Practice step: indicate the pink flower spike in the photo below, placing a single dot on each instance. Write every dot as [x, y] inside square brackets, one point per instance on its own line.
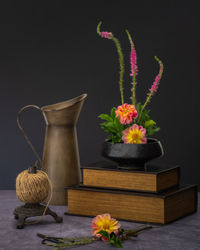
[133, 61]
[106, 34]
[156, 82]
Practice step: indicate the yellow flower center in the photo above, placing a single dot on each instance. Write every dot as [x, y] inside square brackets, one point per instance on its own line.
[125, 112]
[134, 137]
[107, 225]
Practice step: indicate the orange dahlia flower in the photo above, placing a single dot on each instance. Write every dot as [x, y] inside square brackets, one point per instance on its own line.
[126, 113]
[104, 222]
[134, 135]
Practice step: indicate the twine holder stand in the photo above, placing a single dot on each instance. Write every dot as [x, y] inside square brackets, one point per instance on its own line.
[28, 210]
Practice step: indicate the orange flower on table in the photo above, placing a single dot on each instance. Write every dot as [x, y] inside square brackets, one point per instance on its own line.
[134, 135]
[104, 222]
[126, 113]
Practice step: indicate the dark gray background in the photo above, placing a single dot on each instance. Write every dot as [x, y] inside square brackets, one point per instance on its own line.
[50, 52]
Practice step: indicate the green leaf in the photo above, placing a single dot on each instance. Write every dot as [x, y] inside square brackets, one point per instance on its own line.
[118, 245]
[146, 116]
[116, 242]
[104, 126]
[114, 138]
[118, 125]
[112, 238]
[109, 127]
[104, 234]
[112, 126]
[149, 123]
[105, 117]
[156, 129]
[152, 130]
[112, 113]
[112, 242]
[138, 106]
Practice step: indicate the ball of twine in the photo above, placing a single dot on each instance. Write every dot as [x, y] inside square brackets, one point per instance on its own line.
[32, 187]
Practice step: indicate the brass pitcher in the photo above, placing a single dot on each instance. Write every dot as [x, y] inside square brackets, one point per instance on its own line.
[60, 155]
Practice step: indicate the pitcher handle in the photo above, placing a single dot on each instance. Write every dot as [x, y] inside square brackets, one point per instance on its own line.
[24, 133]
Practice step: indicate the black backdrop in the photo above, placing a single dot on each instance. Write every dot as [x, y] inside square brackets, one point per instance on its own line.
[50, 52]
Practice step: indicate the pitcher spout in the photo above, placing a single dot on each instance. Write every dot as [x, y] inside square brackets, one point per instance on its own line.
[64, 113]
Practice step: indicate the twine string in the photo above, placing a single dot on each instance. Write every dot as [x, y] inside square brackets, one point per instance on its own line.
[23, 131]
[33, 188]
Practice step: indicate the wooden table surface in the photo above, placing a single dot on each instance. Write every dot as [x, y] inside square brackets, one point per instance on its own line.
[183, 234]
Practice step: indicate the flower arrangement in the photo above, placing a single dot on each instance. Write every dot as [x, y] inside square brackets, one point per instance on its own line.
[130, 123]
[104, 228]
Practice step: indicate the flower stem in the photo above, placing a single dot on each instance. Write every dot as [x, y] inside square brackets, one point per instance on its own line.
[144, 105]
[126, 234]
[98, 28]
[121, 63]
[121, 59]
[68, 242]
[133, 93]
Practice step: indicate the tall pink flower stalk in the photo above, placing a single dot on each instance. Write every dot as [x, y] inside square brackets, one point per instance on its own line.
[134, 68]
[154, 86]
[156, 82]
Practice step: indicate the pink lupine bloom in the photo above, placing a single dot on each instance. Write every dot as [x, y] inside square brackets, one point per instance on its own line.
[134, 135]
[154, 87]
[133, 61]
[156, 82]
[126, 113]
[106, 34]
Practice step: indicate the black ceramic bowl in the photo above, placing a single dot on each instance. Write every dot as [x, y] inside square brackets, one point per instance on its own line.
[132, 156]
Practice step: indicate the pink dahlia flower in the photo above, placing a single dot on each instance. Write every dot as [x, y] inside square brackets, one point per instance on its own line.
[126, 113]
[104, 222]
[134, 135]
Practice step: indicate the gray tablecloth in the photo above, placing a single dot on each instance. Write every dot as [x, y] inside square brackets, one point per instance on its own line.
[182, 234]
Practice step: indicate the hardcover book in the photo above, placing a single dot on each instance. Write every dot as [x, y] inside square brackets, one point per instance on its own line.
[155, 178]
[134, 206]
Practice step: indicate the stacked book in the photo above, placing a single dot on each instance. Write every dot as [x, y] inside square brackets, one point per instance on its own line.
[153, 195]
